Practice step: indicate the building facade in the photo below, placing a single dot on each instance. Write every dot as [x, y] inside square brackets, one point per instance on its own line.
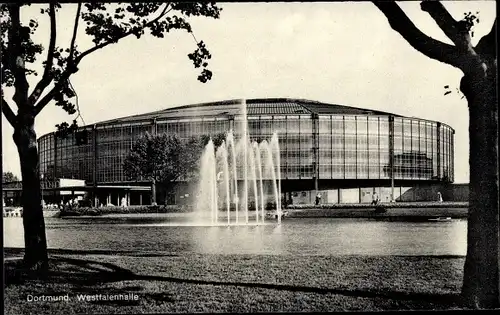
[345, 152]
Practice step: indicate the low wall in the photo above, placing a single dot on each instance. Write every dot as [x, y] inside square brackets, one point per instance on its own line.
[388, 205]
[392, 213]
[449, 192]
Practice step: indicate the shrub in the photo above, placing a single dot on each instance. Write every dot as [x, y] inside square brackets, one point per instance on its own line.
[380, 209]
[83, 211]
[271, 206]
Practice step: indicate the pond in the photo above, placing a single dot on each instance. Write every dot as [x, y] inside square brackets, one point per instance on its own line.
[295, 236]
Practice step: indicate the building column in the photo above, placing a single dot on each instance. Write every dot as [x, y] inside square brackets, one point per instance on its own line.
[55, 157]
[154, 130]
[391, 155]
[127, 197]
[94, 162]
[140, 198]
[438, 141]
[315, 135]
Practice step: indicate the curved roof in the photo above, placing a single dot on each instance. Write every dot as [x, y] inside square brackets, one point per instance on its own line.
[258, 106]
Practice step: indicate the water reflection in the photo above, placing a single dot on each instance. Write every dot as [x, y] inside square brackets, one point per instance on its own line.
[305, 236]
[253, 239]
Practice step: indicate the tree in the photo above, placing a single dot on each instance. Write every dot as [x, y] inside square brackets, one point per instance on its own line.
[481, 283]
[106, 24]
[163, 159]
[203, 140]
[8, 177]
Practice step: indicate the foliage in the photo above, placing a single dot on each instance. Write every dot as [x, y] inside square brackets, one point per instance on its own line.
[216, 139]
[105, 24]
[166, 158]
[8, 177]
[155, 158]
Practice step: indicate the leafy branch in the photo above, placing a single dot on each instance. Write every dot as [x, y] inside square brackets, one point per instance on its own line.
[106, 24]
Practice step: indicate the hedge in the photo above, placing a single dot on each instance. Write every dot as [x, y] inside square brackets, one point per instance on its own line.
[88, 211]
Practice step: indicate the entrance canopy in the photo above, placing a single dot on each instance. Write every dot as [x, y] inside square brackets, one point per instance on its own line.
[101, 187]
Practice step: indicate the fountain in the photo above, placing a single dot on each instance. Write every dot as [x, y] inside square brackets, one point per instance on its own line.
[257, 165]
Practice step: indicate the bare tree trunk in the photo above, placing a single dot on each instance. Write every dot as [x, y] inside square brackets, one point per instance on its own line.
[481, 283]
[35, 256]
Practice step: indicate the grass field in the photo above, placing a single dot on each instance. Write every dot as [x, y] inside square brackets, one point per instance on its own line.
[169, 283]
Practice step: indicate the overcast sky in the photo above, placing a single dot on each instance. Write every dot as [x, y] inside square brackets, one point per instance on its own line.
[343, 53]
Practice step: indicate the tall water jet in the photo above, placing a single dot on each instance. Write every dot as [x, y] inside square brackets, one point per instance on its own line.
[230, 141]
[223, 155]
[253, 174]
[244, 141]
[208, 182]
[258, 162]
[213, 162]
[270, 167]
[215, 207]
[276, 149]
[240, 160]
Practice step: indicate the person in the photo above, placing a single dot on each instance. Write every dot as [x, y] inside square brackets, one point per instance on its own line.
[318, 198]
[124, 202]
[375, 199]
[439, 197]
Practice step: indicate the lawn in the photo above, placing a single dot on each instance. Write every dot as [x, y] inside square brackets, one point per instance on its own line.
[171, 283]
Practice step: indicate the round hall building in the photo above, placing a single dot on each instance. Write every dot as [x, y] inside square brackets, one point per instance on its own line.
[345, 153]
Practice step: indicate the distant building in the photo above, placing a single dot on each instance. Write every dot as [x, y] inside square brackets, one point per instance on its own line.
[347, 153]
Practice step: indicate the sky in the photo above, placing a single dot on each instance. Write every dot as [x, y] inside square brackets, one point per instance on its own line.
[338, 52]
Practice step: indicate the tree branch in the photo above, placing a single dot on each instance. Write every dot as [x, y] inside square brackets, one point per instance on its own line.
[16, 62]
[428, 46]
[75, 30]
[49, 96]
[7, 111]
[72, 67]
[47, 76]
[487, 44]
[451, 28]
[130, 32]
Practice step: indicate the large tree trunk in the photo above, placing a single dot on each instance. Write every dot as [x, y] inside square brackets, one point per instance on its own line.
[481, 283]
[35, 256]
